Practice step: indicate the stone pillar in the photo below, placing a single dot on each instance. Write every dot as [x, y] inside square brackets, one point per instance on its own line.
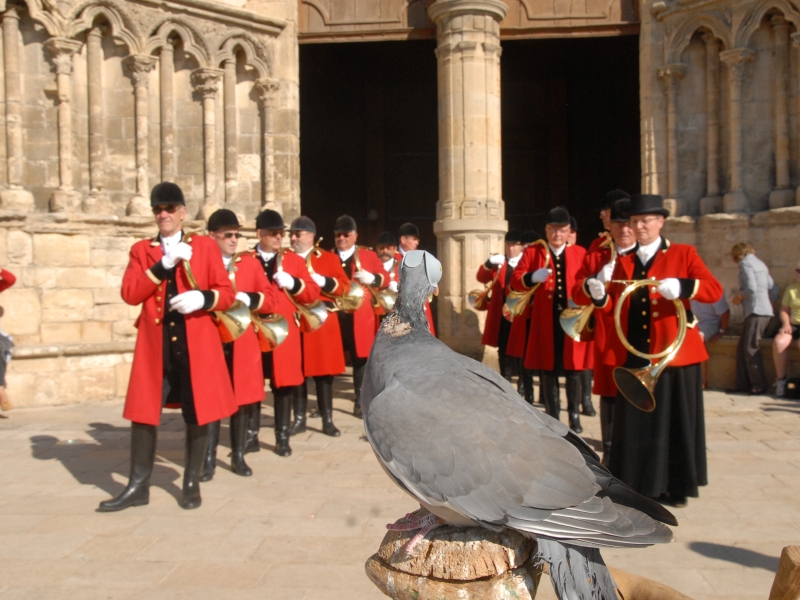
[61, 51]
[13, 198]
[206, 82]
[267, 91]
[231, 150]
[139, 67]
[470, 211]
[735, 200]
[96, 201]
[712, 203]
[167, 72]
[670, 76]
[783, 194]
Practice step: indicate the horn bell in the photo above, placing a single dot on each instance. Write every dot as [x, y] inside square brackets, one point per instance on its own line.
[352, 300]
[574, 321]
[271, 330]
[637, 386]
[233, 322]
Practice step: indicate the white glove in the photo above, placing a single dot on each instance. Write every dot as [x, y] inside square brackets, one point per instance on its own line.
[497, 259]
[604, 276]
[541, 275]
[393, 286]
[188, 302]
[181, 251]
[596, 289]
[284, 280]
[318, 279]
[243, 298]
[670, 288]
[365, 277]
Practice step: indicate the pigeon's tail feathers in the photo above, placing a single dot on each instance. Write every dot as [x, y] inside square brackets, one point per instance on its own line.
[577, 573]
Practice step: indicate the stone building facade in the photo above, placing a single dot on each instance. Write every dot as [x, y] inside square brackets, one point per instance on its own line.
[100, 99]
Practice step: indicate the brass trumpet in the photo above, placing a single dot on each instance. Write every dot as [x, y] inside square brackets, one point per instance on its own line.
[637, 385]
[516, 302]
[235, 320]
[309, 317]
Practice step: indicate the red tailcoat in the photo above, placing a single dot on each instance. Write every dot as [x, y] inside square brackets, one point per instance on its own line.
[7, 279]
[211, 386]
[491, 330]
[248, 377]
[539, 353]
[287, 359]
[395, 275]
[673, 260]
[365, 321]
[322, 349]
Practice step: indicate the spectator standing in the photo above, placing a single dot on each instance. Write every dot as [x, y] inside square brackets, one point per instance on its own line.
[712, 322]
[790, 330]
[6, 344]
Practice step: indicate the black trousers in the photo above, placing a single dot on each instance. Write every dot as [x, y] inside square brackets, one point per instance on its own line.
[750, 374]
[347, 325]
[177, 384]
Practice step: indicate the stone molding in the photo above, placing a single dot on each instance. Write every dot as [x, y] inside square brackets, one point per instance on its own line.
[444, 9]
[139, 67]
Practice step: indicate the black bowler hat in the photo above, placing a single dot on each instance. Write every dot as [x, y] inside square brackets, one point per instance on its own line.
[166, 193]
[222, 218]
[303, 224]
[648, 204]
[530, 236]
[514, 236]
[386, 239]
[573, 223]
[269, 219]
[558, 216]
[345, 224]
[613, 196]
[621, 211]
[408, 229]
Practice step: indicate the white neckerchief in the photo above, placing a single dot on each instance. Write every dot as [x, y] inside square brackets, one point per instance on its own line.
[226, 260]
[167, 243]
[267, 256]
[513, 262]
[624, 250]
[345, 254]
[304, 254]
[645, 253]
[388, 265]
[558, 251]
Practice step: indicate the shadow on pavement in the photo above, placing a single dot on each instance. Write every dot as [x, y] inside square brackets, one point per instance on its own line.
[734, 554]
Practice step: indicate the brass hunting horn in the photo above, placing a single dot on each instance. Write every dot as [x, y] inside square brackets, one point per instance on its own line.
[479, 299]
[516, 302]
[637, 385]
[309, 317]
[353, 299]
[384, 300]
[575, 319]
[236, 319]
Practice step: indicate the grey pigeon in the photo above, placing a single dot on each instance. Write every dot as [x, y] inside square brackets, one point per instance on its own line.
[459, 439]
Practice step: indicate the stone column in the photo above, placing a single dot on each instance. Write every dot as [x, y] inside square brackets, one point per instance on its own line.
[13, 198]
[735, 200]
[470, 211]
[712, 203]
[167, 72]
[670, 76]
[206, 82]
[783, 194]
[267, 92]
[96, 201]
[61, 51]
[231, 150]
[139, 67]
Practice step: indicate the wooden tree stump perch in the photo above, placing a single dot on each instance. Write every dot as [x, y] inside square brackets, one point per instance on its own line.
[786, 585]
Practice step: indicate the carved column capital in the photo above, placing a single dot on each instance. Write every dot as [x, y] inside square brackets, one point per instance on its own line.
[444, 9]
[671, 73]
[778, 21]
[710, 40]
[139, 67]
[61, 51]
[736, 59]
[267, 90]
[206, 81]
[795, 38]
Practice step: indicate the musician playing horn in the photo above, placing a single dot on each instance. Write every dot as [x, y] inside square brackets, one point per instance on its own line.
[174, 319]
[660, 454]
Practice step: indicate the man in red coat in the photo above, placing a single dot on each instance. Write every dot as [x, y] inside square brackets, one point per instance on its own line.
[288, 275]
[549, 349]
[660, 454]
[386, 249]
[597, 263]
[176, 316]
[323, 356]
[587, 408]
[409, 240]
[358, 328]
[243, 355]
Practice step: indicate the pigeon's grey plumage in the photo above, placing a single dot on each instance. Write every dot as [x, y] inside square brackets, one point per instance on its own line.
[458, 438]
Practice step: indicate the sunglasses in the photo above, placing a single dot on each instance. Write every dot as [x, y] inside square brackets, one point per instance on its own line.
[339, 234]
[170, 208]
[228, 235]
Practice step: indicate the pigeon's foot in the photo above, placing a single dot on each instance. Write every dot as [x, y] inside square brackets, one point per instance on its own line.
[425, 525]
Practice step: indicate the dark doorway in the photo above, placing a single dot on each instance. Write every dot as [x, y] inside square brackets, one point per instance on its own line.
[570, 127]
[368, 137]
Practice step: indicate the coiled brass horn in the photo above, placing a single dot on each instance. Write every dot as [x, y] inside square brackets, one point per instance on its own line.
[235, 320]
[479, 299]
[637, 385]
[354, 298]
[309, 317]
[271, 330]
[516, 302]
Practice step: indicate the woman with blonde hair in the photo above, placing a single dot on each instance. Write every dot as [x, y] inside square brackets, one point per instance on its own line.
[790, 330]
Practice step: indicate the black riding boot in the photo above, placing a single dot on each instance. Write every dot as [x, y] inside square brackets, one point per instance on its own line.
[587, 408]
[300, 404]
[314, 414]
[325, 403]
[211, 453]
[548, 382]
[283, 404]
[606, 422]
[358, 379]
[238, 435]
[526, 377]
[506, 364]
[574, 386]
[253, 426]
[196, 446]
[143, 455]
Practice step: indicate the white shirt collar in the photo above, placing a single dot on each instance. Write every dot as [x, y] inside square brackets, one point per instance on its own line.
[267, 256]
[170, 242]
[304, 254]
[345, 254]
[388, 265]
[558, 251]
[513, 262]
[645, 253]
[624, 250]
[226, 260]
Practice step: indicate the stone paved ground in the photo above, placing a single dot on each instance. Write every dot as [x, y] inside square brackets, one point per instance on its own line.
[302, 527]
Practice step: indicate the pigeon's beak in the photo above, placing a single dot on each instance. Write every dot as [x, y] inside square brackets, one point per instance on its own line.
[436, 291]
